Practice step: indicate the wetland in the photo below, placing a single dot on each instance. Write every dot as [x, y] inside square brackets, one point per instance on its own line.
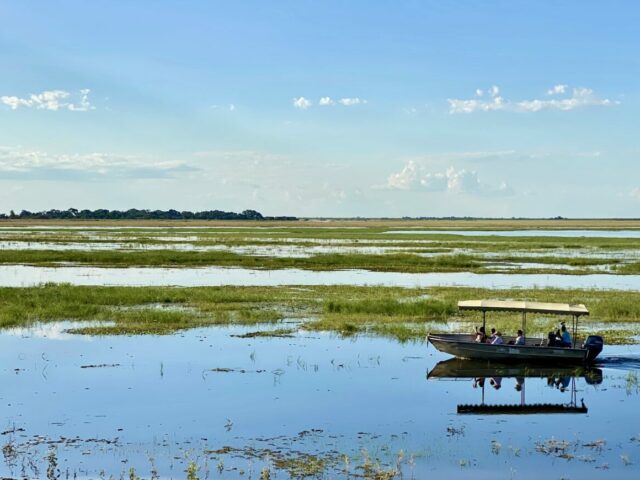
[288, 351]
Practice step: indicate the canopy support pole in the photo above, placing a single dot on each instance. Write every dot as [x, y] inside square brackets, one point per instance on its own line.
[575, 329]
[484, 321]
[524, 325]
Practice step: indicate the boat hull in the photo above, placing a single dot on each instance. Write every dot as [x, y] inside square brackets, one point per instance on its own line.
[461, 346]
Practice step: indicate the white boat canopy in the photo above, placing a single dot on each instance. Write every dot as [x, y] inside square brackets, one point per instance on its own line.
[524, 307]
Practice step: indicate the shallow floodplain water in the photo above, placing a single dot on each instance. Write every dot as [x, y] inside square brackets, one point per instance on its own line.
[527, 233]
[26, 276]
[159, 403]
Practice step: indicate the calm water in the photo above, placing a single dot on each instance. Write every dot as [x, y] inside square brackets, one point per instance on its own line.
[154, 403]
[23, 275]
[529, 233]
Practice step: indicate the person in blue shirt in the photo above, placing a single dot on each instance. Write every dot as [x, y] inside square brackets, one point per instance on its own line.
[565, 337]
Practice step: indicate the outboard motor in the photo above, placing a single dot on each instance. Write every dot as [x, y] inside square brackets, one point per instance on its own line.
[593, 344]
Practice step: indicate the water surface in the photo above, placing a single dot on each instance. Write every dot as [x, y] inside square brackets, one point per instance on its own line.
[24, 276]
[528, 233]
[157, 403]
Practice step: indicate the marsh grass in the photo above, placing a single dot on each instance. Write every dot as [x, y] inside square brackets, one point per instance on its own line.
[404, 314]
[170, 258]
[386, 262]
[456, 253]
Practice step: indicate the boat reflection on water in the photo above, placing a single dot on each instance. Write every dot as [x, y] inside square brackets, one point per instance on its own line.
[491, 374]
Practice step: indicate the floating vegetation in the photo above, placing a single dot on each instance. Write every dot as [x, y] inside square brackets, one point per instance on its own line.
[277, 333]
[102, 365]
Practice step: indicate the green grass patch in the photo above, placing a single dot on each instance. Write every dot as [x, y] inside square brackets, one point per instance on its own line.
[404, 314]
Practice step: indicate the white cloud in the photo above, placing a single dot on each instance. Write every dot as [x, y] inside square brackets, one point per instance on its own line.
[580, 97]
[405, 179]
[51, 100]
[413, 176]
[36, 165]
[348, 102]
[301, 103]
[230, 107]
[557, 89]
[304, 103]
[469, 106]
[635, 193]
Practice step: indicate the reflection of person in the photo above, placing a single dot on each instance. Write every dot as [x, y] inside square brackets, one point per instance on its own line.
[519, 383]
[478, 382]
[563, 383]
[496, 382]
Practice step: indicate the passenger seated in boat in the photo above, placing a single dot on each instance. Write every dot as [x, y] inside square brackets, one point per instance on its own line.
[565, 337]
[520, 338]
[498, 340]
[552, 340]
[492, 337]
[481, 337]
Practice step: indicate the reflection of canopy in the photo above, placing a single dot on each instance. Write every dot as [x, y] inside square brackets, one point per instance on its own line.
[521, 408]
[466, 369]
[534, 307]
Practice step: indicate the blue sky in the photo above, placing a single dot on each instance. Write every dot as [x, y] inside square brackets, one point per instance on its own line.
[322, 108]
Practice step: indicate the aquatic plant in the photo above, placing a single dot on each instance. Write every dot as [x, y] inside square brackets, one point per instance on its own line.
[192, 471]
[631, 382]
[52, 464]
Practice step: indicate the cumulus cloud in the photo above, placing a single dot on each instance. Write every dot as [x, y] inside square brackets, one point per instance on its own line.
[349, 102]
[33, 164]
[635, 193]
[301, 103]
[414, 176]
[580, 97]
[494, 102]
[304, 103]
[557, 89]
[51, 100]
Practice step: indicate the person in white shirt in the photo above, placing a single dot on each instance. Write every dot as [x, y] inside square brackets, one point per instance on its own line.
[498, 340]
[492, 337]
[520, 338]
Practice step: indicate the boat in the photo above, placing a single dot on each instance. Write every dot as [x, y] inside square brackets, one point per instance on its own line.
[534, 350]
[563, 378]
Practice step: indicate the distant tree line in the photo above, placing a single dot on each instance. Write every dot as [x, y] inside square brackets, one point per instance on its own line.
[135, 214]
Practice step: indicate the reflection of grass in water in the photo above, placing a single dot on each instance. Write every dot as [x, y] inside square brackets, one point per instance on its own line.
[400, 313]
[631, 382]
